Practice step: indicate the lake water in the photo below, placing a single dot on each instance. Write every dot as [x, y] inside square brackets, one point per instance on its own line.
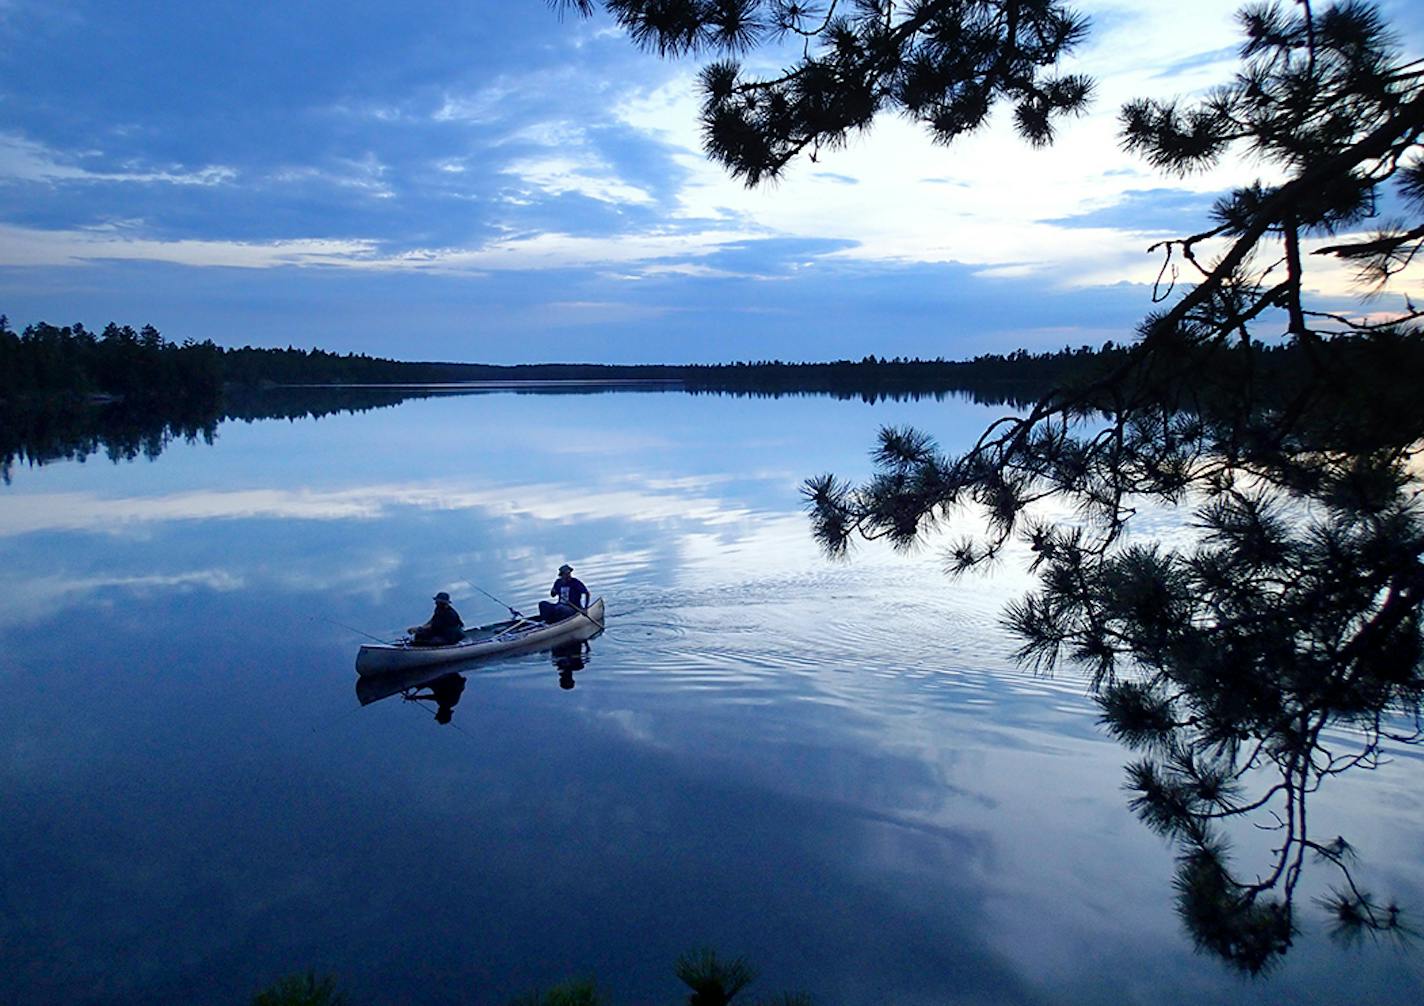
[832, 768]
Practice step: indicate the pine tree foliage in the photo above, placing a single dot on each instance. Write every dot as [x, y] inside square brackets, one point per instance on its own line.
[1230, 666]
[302, 990]
[943, 63]
[1297, 613]
[713, 981]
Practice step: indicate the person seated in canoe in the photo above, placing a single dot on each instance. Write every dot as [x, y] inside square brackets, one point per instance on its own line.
[571, 593]
[444, 628]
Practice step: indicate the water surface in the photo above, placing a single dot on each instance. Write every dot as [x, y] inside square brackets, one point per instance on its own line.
[834, 769]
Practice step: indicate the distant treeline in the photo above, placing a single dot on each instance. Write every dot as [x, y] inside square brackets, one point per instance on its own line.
[68, 393]
[870, 376]
[46, 360]
[991, 378]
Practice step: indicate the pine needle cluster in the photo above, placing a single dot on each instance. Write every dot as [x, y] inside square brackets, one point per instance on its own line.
[942, 63]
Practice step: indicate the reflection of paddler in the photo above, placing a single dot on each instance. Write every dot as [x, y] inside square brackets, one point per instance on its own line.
[444, 691]
[568, 657]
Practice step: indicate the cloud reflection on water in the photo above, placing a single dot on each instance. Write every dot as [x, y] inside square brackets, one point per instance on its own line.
[90, 512]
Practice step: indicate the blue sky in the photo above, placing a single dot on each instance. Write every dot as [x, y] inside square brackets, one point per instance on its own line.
[482, 181]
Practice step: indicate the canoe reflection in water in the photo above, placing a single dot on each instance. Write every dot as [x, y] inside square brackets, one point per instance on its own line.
[441, 687]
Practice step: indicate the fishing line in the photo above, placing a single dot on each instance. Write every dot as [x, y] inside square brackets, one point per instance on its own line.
[416, 703]
[339, 717]
[348, 628]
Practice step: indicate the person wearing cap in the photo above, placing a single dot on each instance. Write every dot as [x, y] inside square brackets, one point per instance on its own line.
[444, 628]
[571, 593]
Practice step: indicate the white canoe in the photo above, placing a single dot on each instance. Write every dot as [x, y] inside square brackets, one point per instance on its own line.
[484, 641]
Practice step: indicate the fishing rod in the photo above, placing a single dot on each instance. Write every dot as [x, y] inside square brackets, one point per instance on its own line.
[348, 628]
[513, 611]
[519, 614]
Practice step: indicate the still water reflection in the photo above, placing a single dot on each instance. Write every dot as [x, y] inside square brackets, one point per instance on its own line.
[833, 769]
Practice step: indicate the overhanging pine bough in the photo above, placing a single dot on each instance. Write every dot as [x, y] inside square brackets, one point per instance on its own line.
[1299, 611]
[944, 64]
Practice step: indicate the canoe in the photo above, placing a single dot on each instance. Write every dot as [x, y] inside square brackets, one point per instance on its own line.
[509, 636]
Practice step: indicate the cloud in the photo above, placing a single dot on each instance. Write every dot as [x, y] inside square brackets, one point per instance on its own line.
[1175, 212]
[365, 174]
[23, 160]
[582, 198]
[1214, 58]
[589, 177]
[482, 106]
[29, 247]
[981, 203]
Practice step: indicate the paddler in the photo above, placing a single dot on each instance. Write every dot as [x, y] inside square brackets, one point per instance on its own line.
[444, 628]
[571, 593]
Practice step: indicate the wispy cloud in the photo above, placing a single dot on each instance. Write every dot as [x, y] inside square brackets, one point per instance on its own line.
[557, 176]
[365, 174]
[482, 106]
[30, 247]
[1215, 59]
[24, 160]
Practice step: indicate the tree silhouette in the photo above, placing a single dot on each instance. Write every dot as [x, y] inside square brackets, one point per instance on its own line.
[1236, 666]
[944, 64]
[1299, 611]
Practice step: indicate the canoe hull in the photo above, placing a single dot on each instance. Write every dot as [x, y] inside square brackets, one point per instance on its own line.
[485, 641]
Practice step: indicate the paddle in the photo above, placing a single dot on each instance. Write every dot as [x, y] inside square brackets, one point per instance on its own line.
[585, 614]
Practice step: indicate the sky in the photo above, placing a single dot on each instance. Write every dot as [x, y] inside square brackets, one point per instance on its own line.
[485, 181]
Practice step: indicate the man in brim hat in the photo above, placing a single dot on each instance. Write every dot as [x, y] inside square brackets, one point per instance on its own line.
[571, 593]
[444, 628]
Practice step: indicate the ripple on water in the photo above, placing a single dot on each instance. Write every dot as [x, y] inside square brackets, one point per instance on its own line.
[876, 638]
[646, 631]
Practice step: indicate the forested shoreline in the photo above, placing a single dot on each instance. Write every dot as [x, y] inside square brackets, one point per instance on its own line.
[50, 367]
[70, 393]
[49, 361]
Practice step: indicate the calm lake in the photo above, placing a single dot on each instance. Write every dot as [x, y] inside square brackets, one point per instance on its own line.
[834, 769]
